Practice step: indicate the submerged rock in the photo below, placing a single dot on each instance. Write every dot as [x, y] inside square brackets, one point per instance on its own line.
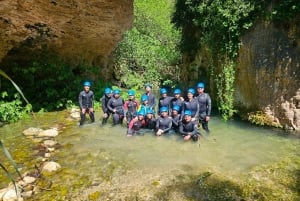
[51, 166]
[75, 115]
[29, 180]
[12, 195]
[49, 143]
[48, 133]
[32, 131]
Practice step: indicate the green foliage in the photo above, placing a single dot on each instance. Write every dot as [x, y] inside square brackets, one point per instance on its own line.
[12, 111]
[49, 82]
[261, 119]
[225, 90]
[12, 162]
[217, 27]
[217, 24]
[284, 10]
[148, 52]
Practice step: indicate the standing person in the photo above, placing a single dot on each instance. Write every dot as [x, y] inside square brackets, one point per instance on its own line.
[177, 100]
[176, 118]
[136, 124]
[192, 104]
[116, 107]
[151, 96]
[188, 128]
[164, 100]
[130, 107]
[86, 103]
[204, 106]
[163, 122]
[104, 101]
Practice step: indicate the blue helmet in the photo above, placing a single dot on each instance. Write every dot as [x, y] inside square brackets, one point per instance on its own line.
[144, 98]
[87, 83]
[131, 92]
[107, 90]
[200, 85]
[141, 113]
[148, 85]
[163, 109]
[176, 107]
[191, 90]
[116, 91]
[188, 112]
[163, 91]
[150, 111]
[177, 91]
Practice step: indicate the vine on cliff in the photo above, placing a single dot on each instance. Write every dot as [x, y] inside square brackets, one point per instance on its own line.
[217, 26]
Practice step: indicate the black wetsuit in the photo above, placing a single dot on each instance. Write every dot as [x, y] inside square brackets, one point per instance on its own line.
[193, 106]
[86, 101]
[204, 109]
[150, 123]
[164, 123]
[178, 102]
[151, 100]
[135, 126]
[104, 101]
[189, 127]
[164, 102]
[116, 103]
[175, 122]
[130, 108]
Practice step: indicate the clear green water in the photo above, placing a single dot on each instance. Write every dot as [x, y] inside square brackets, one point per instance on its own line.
[103, 160]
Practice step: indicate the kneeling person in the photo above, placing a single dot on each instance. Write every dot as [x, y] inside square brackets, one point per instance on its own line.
[136, 124]
[163, 122]
[188, 128]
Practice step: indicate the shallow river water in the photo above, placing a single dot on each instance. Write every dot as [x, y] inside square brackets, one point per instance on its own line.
[101, 163]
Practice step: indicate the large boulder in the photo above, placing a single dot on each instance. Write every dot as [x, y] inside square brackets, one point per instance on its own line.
[78, 30]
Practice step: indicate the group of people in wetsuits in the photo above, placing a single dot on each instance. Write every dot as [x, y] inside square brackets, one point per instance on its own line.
[175, 114]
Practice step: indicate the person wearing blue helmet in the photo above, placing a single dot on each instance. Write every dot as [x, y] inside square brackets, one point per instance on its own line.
[151, 96]
[144, 103]
[150, 119]
[86, 103]
[188, 128]
[164, 100]
[130, 106]
[176, 118]
[191, 104]
[136, 124]
[177, 100]
[104, 101]
[204, 101]
[116, 107]
[163, 122]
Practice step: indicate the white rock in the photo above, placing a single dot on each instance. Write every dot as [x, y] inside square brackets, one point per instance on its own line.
[27, 194]
[48, 133]
[50, 143]
[11, 195]
[29, 180]
[75, 115]
[51, 166]
[47, 155]
[2, 192]
[32, 131]
[75, 110]
[51, 149]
